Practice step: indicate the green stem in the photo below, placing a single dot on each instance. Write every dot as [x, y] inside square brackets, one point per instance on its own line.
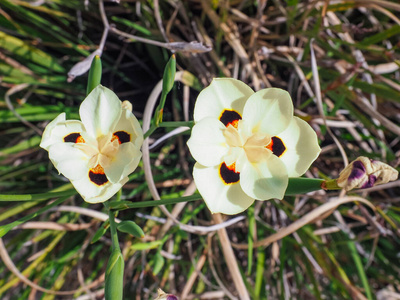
[302, 185]
[128, 204]
[36, 197]
[330, 185]
[113, 230]
[167, 125]
[113, 225]
[298, 185]
[176, 124]
[150, 131]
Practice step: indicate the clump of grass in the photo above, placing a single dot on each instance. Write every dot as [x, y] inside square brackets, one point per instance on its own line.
[350, 253]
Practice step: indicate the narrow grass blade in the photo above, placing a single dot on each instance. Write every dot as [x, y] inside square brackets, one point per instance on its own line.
[6, 228]
[360, 269]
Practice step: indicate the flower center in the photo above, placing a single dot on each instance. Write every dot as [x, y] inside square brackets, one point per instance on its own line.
[108, 148]
[244, 144]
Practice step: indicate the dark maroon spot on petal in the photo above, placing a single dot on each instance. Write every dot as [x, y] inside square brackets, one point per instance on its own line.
[276, 146]
[97, 176]
[358, 171]
[230, 117]
[122, 136]
[228, 174]
[370, 182]
[98, 179]
[74, 138]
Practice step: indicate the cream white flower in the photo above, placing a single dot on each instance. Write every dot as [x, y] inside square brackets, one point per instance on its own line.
[99, 153]
[247, 145]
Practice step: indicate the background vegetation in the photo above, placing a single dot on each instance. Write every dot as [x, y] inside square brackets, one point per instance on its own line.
[348, 253]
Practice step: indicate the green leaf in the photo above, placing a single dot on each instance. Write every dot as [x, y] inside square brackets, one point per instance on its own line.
[260, 271]
[120, 205]
[250, 238]
[378, 89]
[158, 262]
[384, 35]
[100, 232]
[146, 246]
[94, 74]
[6, 228]
[27, 52]
[360, 268]
[25, 144]
[133, 25]
[35, 197]
[131, 228]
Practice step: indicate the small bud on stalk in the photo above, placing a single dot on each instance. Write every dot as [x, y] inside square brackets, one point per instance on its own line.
[163, 296]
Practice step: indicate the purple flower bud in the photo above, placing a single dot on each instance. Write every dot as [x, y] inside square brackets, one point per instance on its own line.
[358, 171]
[365, 173]
[163, 296]
[370, 182]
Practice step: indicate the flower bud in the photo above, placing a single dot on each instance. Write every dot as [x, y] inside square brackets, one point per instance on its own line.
[365, 173]
[114, 284]
[127, 105]
[163, 296]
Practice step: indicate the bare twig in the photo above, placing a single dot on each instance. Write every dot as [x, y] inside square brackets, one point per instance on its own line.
[10, 265]
[318, 97]
[313, 215]
[53, 226]
[231, 260]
